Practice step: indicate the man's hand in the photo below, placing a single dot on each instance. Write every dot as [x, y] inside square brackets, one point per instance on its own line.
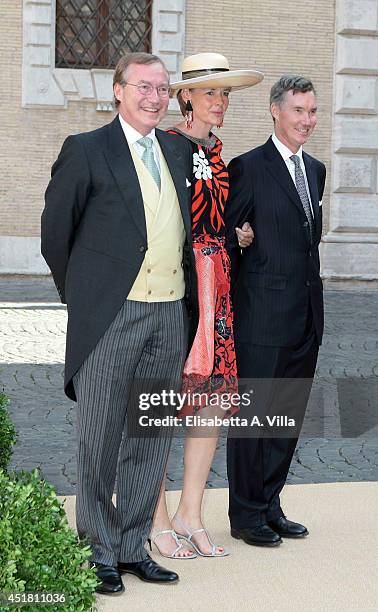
[245, 235]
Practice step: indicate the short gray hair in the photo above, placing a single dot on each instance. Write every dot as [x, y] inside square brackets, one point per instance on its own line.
[289, 82]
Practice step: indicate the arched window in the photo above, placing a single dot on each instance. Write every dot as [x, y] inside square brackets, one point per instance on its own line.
[94, 33]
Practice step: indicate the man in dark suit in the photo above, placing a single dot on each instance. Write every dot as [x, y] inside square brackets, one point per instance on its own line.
[116, 233]
[278, 302]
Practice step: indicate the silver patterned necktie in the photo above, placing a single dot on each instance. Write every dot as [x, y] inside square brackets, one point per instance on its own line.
[302, 192]
[149, 160]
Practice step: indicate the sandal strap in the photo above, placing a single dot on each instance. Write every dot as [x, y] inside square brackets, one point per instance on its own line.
[196, 531]
[156, 534]
[182, 524]
[165, 531]
[190, 534]
[209, 538]
[174, 535]
[213, 546]
[179, 547]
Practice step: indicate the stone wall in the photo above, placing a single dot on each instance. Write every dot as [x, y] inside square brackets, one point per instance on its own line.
[41, 105]
[350, 248]
[273, 36]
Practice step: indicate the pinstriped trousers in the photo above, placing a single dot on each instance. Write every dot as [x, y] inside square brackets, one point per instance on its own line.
[146, 341]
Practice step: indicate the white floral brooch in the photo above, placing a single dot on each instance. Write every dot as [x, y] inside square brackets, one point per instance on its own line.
[201, 168]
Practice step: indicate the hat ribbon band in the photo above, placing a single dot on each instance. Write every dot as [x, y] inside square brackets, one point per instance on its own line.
[198, 73]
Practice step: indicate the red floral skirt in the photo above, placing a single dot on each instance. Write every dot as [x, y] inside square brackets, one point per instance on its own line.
[210, 369]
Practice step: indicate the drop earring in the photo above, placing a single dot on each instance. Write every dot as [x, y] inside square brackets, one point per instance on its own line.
[220, 124]
[188, 115]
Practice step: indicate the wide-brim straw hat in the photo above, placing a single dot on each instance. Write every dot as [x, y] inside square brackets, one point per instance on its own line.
[212, 70]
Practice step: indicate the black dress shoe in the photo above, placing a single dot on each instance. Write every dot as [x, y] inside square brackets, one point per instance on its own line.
[148, 570]
[111, 581]
[262, 535]
[288, 529]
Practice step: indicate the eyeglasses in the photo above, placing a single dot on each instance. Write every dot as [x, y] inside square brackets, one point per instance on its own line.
[146, 90]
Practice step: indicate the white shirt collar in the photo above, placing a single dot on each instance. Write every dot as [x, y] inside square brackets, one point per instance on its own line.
[131, 134]
[284, 150]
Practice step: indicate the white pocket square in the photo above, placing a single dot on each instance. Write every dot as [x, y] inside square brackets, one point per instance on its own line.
[188, 183]
[321, 202]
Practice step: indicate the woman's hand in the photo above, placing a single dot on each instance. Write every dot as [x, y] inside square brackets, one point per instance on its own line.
[245, 235]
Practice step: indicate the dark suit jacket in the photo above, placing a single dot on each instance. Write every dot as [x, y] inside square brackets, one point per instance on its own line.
[277, 277]
[94, 235]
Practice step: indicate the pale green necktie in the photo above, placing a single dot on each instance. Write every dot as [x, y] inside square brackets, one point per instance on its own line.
[149, 159]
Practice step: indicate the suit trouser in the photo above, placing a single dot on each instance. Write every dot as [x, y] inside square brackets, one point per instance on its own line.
[145, 342]
[257, 467]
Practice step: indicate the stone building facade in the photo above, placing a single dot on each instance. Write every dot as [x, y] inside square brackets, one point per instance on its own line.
[350, 247]
[335, 43]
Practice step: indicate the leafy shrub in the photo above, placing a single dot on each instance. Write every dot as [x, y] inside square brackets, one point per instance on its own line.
[38, 550]
[7, 433]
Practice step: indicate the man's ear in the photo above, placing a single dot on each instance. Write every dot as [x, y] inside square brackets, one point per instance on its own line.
[117, 88]
[274, 111]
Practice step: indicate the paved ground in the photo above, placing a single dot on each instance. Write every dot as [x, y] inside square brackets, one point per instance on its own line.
[339, 441]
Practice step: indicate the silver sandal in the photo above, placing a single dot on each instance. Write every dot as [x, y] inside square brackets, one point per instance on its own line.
[189, 538]
[155, 534]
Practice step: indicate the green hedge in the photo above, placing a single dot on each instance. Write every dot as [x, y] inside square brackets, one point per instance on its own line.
[39, 551]
[7, 433]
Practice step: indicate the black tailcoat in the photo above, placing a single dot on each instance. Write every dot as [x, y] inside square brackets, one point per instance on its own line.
[94, 236]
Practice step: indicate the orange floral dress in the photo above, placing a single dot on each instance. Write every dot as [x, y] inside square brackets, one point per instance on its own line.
[210, 369]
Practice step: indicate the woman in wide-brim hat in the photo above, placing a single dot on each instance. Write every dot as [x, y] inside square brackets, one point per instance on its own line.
[203, 95]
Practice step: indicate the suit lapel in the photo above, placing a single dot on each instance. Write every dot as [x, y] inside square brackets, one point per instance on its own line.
[278, 169]
[176, 166]
[122, 167]
[313, 187]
